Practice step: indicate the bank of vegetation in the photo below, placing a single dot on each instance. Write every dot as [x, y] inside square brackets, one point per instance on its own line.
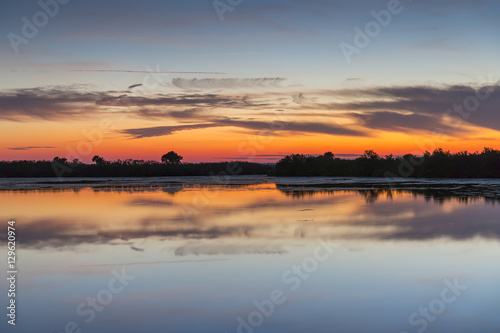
[438, 164]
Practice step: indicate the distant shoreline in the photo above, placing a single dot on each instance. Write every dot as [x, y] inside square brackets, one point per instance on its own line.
[439, 164]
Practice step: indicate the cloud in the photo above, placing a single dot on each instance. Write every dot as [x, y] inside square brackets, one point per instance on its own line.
[47, 103]
[135, 85]
[139, 133]
[398, 108]
[263, 158]
[266, 128]
[272, 156]
[272, 128]
[162, 113]
[68, 102]
[302, 100]
[226, 83]
[141, 71]
[406, 108]
[394, 121]
[44, 67]
[30, 147]
[191, 100]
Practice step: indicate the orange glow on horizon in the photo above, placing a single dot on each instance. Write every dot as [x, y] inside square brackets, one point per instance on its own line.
[213, 144]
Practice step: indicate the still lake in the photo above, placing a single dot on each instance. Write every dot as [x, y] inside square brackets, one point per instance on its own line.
[253, 254]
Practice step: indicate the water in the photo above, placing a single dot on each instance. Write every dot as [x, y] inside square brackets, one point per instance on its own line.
[254, 254]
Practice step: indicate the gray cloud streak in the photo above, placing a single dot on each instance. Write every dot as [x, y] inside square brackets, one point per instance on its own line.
[226, 83]
[141, 71]
[318, 128]
[30, 147]
[148, 132]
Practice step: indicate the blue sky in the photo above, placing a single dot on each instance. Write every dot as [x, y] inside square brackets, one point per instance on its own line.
[429, 41]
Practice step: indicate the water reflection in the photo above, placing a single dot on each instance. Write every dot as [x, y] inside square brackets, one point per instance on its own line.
[438, 194]
[202, 254]
[63, 217]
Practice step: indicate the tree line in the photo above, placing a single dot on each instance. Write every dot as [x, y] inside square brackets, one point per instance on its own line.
[170, 166]
[438, 164]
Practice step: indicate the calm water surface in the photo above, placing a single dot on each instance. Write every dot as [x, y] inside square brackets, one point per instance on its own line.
[254, 254]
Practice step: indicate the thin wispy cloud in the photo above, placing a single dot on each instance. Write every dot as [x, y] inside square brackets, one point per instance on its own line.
[142, 71]
[30, 147]
[262, 158]
[139, 133]
[227, 83]
[316, 128]
[45, 67]
[135, 85]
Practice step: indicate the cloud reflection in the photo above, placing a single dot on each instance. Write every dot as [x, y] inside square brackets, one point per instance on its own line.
[249, 219]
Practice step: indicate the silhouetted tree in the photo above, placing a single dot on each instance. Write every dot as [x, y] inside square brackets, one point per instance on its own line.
[60, 160]
[329, 155]
[98, 160]
[171, 158]
[370, 154]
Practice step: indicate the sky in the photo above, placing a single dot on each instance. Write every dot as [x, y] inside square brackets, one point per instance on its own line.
[247, 80]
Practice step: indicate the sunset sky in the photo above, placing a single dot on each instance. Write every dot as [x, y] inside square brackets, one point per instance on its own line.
[254, 80]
